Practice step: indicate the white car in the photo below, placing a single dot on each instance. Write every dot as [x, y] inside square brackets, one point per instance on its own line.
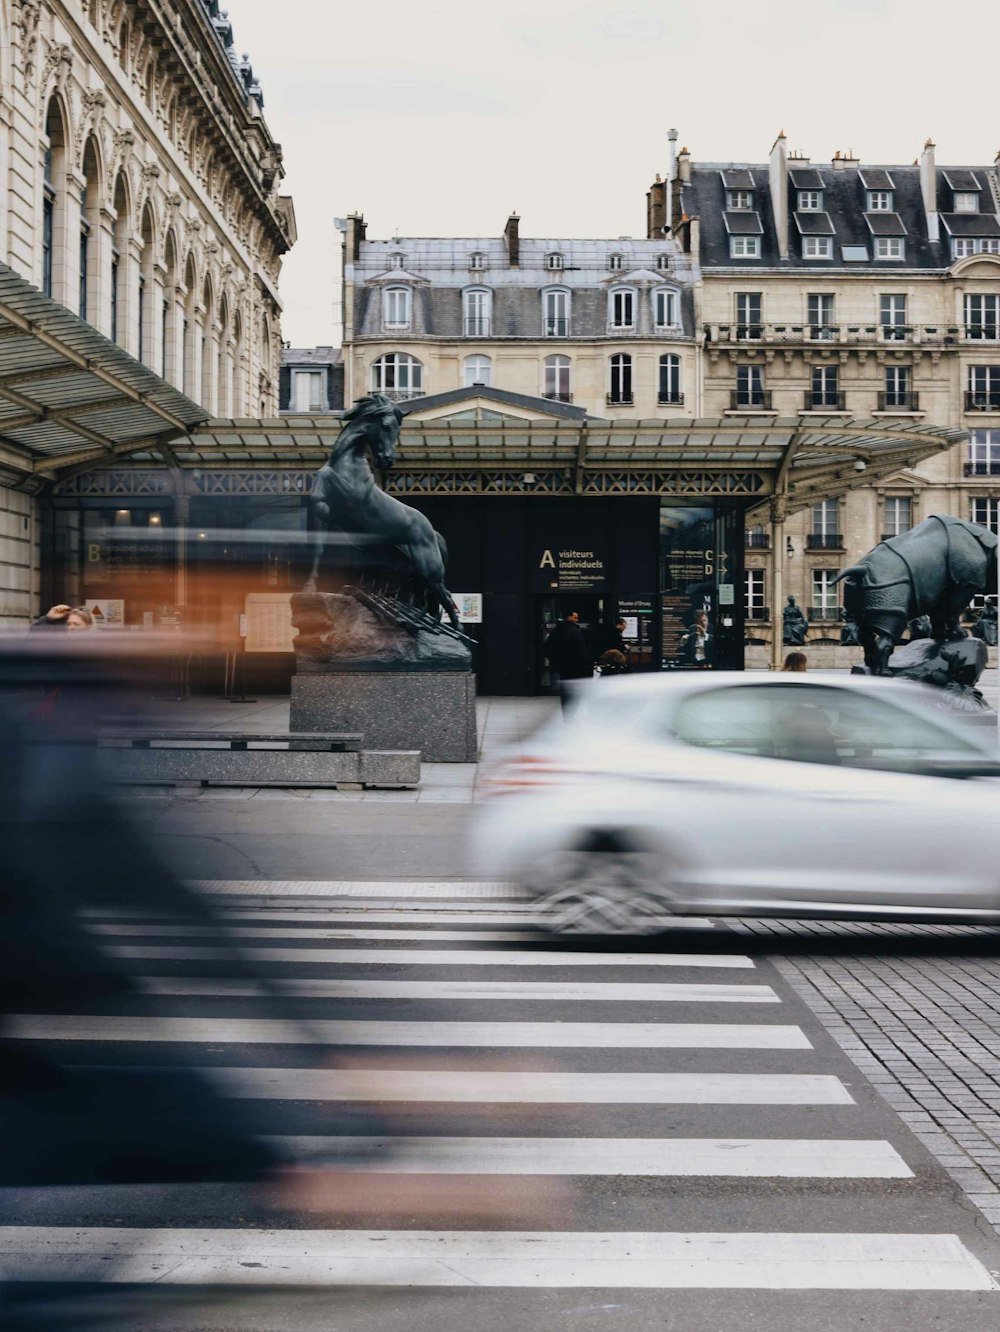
[729, 793]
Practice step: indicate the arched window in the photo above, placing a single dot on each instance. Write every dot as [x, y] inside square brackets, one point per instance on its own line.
[554, 262]
[169, 369]
[147, 293]
[124, 35]
[556, 380]
[207, 397]
[620, 387]
[665, 308]
[119, 264]
[223, 370]
[669, 390]
[189, 363]
[477, 308]
[90, 249]
[236, 397]
[398, 375]
[616, 262]
[54, 202]
[621, 308]
[555, 312]
[396, 306]
[663, 261]
[477, 370]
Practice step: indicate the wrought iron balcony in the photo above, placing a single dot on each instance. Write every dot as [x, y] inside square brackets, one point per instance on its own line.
[986, 401]
[758, 613]
[900, 400]
[750, 400]
[826, 613]
[671, 400]
[824, 541]
[619, 400]
[400, 394]
[842, 334]
[555, 396]
[477, 327]
[758, 540]
[982, 469]
[557, 328]
[816, 401]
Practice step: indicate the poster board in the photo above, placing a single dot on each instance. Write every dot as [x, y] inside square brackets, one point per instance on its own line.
[108, 612]
[470, 607]
[269, 622]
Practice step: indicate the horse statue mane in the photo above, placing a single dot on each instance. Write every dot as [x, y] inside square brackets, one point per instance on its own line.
[373, 404]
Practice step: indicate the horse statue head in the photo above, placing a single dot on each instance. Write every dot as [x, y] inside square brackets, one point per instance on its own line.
[377, 419]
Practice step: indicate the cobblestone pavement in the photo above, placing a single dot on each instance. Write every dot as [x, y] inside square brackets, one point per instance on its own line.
[917, 1008]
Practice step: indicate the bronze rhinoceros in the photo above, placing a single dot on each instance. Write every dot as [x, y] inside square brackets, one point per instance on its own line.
[934, 569]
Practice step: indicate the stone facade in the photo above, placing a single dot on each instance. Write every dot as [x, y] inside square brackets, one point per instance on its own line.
[141, 192]
[592, 322]
[847, 292]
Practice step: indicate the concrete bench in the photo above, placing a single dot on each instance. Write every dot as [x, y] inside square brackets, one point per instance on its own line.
[226, 758]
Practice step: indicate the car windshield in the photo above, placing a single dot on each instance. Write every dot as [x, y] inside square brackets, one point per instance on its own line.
[814, 724]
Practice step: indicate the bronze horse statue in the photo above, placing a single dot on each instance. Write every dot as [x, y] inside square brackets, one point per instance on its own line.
[345, 499]
[934, 569]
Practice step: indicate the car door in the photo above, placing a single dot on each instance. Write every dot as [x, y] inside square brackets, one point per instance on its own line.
[813, 799]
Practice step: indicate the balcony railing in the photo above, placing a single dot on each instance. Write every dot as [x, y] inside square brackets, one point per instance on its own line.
[827, 613]
[557, 328]
[823, 402]
[477, 327]
[671, 400]
[750, 400]
[758, 540]
[758, 613]
[900, 400]
[619, 400]
[982, 469]
[986, 401]
[555, 395]
[934, 335]
[824, 541]
[400, 394]
[989, 331]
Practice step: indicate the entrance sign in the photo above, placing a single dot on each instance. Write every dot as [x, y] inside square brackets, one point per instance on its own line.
[571, 569]
[269, 622]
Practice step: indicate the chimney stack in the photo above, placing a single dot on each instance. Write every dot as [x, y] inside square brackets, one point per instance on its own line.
[356, 228]
[684, 166]
[844, 161]
[656, 214]
[668, 202]
[510, 235]
[928, 189]
[777, 175]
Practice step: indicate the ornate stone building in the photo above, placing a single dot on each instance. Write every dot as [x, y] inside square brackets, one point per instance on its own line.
[834, 295]
[141, 193]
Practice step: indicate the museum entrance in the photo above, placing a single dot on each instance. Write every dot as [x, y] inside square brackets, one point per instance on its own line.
[549, 610]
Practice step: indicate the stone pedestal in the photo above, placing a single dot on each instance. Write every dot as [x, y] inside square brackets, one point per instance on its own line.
[433, 711]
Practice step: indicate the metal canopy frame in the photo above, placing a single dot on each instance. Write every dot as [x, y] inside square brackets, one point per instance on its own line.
[68, 396]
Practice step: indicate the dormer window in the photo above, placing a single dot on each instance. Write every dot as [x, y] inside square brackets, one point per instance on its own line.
[965, 201]
[621, 308]
[663, 261]
[810, 201]
[396, 310]
[739, 201]
[616, 262]
[554, 262]
[665, 308]
[477, 260]
[879, 201]
[397, 260]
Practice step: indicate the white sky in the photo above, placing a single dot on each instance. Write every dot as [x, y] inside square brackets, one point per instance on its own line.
[438, 117]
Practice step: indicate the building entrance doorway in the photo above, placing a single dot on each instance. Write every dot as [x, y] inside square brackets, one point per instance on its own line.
[549, 610]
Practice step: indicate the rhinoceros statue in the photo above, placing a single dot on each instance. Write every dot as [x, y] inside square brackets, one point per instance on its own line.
[934, 569]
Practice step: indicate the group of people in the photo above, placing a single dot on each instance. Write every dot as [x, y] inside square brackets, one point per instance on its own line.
[570, 656]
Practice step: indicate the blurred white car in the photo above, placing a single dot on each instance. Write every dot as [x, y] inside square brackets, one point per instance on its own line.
[729, 793]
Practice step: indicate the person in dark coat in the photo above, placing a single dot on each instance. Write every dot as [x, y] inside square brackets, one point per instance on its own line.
[567, 653]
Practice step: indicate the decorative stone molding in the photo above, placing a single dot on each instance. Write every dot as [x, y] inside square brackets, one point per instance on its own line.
[149, 174]
[92, 103]
[25, 18]
[54, 76]
[122, 145]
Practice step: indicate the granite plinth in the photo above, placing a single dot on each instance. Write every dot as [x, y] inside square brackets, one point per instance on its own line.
[434, 712]
[259, 767]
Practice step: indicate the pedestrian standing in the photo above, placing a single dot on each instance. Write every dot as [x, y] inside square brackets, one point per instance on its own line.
[567, 654]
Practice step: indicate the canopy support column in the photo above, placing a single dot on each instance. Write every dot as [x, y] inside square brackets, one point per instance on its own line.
[778, 512]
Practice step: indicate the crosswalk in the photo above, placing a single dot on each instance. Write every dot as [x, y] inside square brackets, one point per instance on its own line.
[495, 1054]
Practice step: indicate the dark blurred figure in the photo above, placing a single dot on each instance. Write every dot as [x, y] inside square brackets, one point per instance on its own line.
[796, 661]
[567, 653]
[613, 662]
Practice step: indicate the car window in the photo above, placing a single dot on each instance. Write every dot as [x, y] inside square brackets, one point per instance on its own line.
[813, 724]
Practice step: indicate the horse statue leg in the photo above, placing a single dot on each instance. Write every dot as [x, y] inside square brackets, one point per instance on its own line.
[319, 515]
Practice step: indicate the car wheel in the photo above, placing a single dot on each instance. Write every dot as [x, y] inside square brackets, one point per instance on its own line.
[606, 890]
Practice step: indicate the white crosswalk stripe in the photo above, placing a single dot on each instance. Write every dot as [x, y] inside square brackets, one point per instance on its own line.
[456, 1033]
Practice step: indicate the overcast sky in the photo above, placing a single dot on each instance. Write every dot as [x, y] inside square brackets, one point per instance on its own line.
[438, 117]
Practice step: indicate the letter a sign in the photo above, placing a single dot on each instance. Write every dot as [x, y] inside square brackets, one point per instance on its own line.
[546, 562]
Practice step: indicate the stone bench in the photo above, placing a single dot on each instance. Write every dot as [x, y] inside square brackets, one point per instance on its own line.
[226, 758]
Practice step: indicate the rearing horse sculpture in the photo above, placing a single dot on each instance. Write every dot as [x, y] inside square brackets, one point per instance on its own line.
[345, 499]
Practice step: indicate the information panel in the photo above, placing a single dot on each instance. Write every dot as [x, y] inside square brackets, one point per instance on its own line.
[269, 622]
